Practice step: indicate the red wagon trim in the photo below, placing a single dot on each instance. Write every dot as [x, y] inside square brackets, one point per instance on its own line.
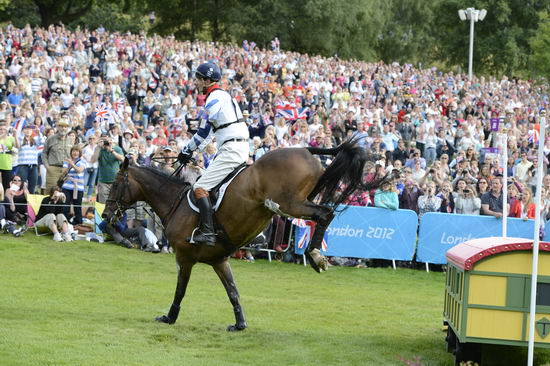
[466, 254]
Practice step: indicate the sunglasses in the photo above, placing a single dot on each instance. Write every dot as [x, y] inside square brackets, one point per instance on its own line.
[16, 180]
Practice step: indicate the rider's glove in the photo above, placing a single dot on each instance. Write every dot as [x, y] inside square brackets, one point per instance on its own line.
[184, 158]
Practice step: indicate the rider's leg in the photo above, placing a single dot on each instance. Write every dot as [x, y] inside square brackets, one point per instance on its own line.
[206, 233]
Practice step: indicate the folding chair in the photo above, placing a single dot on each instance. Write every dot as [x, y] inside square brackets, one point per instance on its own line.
[33, 206]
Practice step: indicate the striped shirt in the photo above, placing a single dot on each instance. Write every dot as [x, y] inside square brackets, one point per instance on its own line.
[28, 155]
[79, 177]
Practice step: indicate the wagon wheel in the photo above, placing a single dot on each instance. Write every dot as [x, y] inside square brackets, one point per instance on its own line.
[451, 340]
[467, 352]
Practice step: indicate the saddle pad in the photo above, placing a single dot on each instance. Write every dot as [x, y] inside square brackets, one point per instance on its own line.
[221, 193]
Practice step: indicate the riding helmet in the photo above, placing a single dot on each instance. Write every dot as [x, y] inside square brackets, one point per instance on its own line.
[209, 70]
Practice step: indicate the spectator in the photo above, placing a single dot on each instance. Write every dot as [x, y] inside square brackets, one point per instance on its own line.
[15, 200]
[27, 159]
[467, 202]
[50, 216]
[8, 145]
[90, 173]
[523, 207]
[409, 198]
[491, 201]
[428, 202]
[386, 196]
[73, 185]
[56, 150]
[109, 156]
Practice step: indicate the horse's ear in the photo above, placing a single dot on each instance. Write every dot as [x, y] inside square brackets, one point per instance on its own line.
[125, 163]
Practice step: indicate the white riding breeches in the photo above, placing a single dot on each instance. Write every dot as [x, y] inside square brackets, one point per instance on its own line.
[230, 156]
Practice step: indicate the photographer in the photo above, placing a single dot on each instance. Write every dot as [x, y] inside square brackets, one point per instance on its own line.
[50, 216]
[463, 172]
[109, 156]
[467, 202]
[429, 202]
[523, 207]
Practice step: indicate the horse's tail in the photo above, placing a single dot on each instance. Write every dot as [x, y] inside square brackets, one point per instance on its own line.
[344, 175]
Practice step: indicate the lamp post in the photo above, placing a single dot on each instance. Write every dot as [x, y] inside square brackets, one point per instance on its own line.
[473, 15]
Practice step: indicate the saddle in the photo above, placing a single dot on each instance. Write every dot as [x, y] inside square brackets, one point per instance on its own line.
[217, 193]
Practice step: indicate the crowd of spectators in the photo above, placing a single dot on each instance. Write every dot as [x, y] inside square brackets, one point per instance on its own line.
[74, 103]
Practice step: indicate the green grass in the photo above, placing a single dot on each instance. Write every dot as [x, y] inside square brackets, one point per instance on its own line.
[94, 304]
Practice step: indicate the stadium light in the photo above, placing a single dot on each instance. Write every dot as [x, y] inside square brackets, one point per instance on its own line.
[473, 15]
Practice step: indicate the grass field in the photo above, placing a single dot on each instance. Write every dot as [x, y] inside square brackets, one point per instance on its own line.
[93, 304]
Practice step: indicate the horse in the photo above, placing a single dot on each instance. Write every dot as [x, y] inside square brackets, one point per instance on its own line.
[283, 181]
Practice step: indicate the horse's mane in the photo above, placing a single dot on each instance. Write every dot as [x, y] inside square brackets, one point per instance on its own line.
[165, 175]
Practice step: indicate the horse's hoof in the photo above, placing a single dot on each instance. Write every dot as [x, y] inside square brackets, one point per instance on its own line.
[164, 319]
[317, 261]
[236, 327]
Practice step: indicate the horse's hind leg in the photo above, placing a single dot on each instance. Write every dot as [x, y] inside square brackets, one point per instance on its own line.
[322, 216]
[223, 270]
[313, 254]
[184, 274]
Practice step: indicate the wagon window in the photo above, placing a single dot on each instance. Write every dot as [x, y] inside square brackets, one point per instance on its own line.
[543, 294]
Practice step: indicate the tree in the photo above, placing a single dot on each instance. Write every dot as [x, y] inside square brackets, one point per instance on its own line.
[501, 43]
[540, 47]
[4, 4]
[64, 11]
[408, 34]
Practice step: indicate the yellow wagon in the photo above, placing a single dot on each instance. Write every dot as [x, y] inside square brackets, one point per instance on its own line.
[487, 295]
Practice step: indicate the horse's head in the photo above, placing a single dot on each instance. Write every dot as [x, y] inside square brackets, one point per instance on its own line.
[123, 194]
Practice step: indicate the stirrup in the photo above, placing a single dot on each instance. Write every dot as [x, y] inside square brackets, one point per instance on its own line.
[193, 240]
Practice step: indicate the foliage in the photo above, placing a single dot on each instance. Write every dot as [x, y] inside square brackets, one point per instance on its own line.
[110, 15]
[85, 303]
[20, 13]
[407, 35]
[501, 41]
[4, 4]
[540, 47]
[513, 39]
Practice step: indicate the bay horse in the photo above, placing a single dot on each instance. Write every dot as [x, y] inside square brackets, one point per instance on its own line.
[283, 181]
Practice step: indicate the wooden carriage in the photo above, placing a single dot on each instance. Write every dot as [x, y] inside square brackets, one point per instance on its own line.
[487, 295]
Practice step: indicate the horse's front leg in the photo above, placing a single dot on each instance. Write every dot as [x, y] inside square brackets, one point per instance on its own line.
[223, 270]
[184, 274]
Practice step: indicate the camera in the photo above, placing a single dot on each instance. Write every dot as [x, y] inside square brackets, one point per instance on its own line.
[466, 191]
[432, 171]
[106, 143]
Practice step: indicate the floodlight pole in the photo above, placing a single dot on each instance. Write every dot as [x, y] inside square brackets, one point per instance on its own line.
[473, 15]
[534, 273]
[471, 55]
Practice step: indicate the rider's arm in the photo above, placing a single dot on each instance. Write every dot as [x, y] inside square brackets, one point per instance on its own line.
[203, 134]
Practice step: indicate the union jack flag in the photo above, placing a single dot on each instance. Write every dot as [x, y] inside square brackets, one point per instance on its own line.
[120, 103]
[305, 237]
[19, 124]
[290, 112]
[103, 114]
[534, 135]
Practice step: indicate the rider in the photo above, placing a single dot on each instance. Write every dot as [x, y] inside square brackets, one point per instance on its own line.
[221, 118]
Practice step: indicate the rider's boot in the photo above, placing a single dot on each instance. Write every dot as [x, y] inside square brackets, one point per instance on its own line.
[206, 234]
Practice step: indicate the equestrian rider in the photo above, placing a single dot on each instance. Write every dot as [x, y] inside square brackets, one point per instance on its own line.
[221, 118]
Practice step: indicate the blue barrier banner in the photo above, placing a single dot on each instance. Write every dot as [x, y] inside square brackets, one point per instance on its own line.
[369, 232]
[440, 232]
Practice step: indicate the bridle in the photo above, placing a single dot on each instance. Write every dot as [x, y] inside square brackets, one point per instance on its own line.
[121, 206]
